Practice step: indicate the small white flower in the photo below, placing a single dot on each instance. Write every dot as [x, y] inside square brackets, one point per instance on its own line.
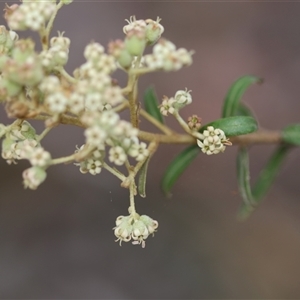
[139, 151]
[34, 20]
[39, 157]
[95, 136]
[124, 129]
[109, 119]
[49, 84]
[76, 103]
[57, 102]
[117, 155]
[24, 148]
[133, 23]
[93, 51]
[33, 177]
[113, 95]
[93, 101]
[93, 166]
[154, 61]
[167, 106]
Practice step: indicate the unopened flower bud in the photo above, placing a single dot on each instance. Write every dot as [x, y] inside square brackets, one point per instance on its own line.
[61, 41]
[135, 42]
[194, 122]
[154, 30]
[182, 98]
[118, 50]
[33, 177]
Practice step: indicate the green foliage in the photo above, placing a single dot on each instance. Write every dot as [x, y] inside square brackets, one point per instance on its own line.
[291, 134]
[143, 178]
[178, 166]
[233, 126]
[235, 93]
[151, 104]
[251, 198]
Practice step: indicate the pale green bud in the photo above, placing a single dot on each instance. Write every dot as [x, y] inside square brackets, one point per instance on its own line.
[67, 2]
[154, 30]
[135, 42]
[11, 88]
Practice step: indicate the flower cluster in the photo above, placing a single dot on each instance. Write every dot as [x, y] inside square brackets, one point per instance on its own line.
[36, 85]
[212, 141]
[18, 141]
[134, 227]
[21, 69]
[33, 177]
[166, 57]
[7, 40]
[180, 100]
[93, 163]
[30, 14]
[107, 128]
[58, 53]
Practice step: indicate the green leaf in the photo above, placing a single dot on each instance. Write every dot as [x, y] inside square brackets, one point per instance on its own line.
[151, 105]
[143, 178]
[233, 126]
[243, 175]
[177, 166]
[253, 197]
[243, 110]
[235, 93]
[291, 134]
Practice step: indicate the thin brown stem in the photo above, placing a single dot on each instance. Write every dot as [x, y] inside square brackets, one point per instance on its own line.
[156, 123]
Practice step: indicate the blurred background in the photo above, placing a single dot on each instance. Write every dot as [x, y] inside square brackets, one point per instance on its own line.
[57, 242]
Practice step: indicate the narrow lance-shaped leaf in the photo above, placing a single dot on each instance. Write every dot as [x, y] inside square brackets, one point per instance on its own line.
[243, 174]
[151, 105]
[143, 178]
[291, 134]
[244, 110]
[177, 167]
[264, 181]
[235, 93]
[233, 126]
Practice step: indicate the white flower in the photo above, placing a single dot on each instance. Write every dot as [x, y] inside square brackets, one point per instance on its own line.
[93, 51]
[135, 24]
[76, 103]
[167, 106]
[113, 95]
[34, 20]
[117, 155]
[95, 136]
[124, 129]
[93, 101]
[212, 141]
[139, 151]
[183, 98]
[24, 148]
[106, 64]
[57, 102]
[134, 227]
[33, 177]
[109, 119]
[49, 84]
[93, 166]
[154, 62]
[166, 57]
[39, 157]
